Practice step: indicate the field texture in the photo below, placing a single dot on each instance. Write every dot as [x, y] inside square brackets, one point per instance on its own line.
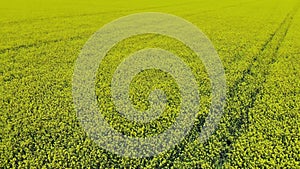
[258, 43]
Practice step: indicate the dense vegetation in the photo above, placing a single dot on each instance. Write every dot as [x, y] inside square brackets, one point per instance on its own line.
[259, 45]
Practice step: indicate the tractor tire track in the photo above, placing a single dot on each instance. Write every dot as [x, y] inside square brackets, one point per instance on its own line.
[40, 43]
[269, 48]
[224, 8]
[254, 75]
[96, 13]
[18, 47]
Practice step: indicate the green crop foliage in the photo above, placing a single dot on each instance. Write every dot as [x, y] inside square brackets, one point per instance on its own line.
[257, 41]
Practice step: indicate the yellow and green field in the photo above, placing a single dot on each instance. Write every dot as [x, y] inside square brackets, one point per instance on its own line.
[258, 43]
